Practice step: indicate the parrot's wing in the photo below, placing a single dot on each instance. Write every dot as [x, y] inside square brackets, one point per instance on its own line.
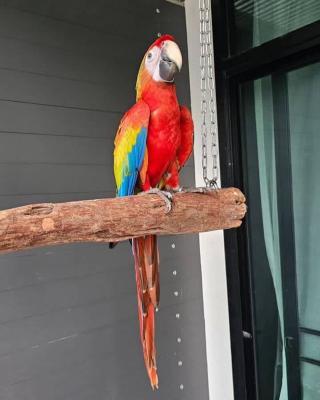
[186, 127]
[130, 147]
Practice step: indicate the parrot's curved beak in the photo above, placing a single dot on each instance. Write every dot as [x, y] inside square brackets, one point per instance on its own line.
[170, 61]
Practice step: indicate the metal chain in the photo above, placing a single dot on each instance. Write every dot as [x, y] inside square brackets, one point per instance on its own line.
[207, 86]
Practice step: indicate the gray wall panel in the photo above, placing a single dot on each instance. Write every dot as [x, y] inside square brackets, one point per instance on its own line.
[47, 90]
[82, 64]
[58, 33]
[48, 120]
[28, 179]
[55, 149]
[131, 19]
[68, 314]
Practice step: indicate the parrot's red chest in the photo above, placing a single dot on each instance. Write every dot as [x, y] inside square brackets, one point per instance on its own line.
[164, 136]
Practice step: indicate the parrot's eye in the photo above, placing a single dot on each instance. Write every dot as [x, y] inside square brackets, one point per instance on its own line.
[149, 56]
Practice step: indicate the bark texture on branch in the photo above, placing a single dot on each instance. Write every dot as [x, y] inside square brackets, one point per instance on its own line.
[118, 219]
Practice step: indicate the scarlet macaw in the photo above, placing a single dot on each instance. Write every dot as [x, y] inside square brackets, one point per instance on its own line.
[153, 142]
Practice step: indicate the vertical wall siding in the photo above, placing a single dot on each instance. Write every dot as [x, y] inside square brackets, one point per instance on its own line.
[68, 318]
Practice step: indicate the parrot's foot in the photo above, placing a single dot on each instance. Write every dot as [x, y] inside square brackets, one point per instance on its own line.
[202, 190]
[164, 195]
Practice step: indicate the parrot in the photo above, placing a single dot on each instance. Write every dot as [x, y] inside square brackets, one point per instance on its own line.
[153, 142]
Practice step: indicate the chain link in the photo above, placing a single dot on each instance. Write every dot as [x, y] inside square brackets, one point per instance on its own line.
[207, 86]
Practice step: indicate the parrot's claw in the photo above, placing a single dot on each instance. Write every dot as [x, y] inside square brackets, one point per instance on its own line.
[164, 195]
[202, 190]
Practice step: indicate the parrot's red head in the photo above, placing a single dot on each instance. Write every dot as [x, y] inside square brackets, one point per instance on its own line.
[160, 63]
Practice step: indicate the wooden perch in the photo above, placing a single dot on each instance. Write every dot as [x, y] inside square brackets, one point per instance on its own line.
[116, 219]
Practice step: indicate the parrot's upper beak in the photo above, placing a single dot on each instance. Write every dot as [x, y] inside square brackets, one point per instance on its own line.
[170, 61]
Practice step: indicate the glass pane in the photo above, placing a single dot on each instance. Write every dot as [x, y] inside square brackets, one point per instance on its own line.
[258, 21]
[311, 387]
[304, 119]
[310, 346]
[281, 137]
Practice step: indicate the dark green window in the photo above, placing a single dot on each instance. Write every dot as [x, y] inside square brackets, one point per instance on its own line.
[281, 132]
[259, 21]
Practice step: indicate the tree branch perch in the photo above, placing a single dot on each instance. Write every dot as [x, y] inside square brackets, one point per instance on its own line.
[117, 219]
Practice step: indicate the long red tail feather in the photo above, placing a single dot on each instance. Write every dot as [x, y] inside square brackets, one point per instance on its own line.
[146, 261]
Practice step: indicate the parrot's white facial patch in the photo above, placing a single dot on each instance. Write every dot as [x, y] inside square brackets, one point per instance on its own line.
[152, 59]
[156, 76]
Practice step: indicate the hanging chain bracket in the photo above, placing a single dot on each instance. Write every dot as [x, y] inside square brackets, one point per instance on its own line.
[208, 104]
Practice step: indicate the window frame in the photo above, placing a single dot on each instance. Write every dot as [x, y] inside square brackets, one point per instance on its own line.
[288, 52]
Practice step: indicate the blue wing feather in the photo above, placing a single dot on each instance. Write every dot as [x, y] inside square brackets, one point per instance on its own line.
[133, 164]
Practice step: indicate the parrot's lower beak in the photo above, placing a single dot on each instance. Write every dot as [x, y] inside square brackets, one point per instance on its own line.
[167, 70]
[170, 61]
